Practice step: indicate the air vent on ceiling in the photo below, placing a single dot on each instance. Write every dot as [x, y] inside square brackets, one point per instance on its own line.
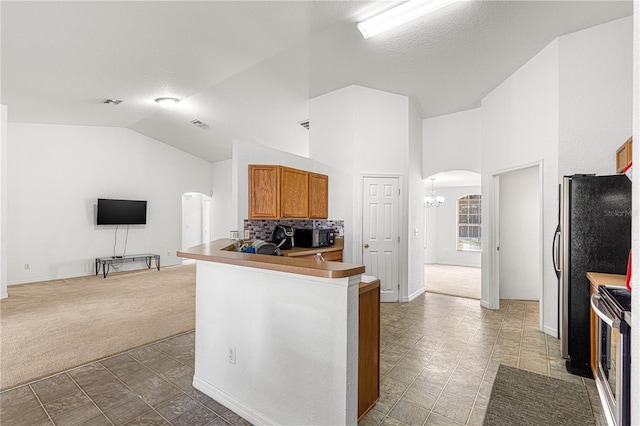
[109, 101]
[198, 123]
[304, 124]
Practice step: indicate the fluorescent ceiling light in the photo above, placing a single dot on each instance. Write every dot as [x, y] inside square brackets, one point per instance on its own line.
[399, 15]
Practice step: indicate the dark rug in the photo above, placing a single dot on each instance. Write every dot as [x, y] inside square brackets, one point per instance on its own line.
[520, 397]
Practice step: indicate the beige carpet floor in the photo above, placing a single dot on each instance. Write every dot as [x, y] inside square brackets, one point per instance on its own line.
[461, 281]
[51, 326]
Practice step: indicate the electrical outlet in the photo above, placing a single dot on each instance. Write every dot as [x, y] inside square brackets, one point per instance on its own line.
[232, 355]
[341, 232]
[168, 253]
[247, 234]
[27, 267]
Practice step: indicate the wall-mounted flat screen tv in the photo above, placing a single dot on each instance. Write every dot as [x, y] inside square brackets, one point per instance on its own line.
[121, 212]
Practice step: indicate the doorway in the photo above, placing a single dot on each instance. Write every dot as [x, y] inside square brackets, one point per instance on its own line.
[515, 250]
[196, 219]
[453, 238]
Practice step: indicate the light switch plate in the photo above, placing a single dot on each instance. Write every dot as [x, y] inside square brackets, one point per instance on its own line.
[247, 234]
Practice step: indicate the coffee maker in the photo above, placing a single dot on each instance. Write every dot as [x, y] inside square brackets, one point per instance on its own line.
[283, 237]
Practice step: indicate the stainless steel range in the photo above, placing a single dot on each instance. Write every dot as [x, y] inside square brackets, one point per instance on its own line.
[612, 305]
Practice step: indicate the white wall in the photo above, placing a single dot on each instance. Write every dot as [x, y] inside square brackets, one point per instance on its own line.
[223, 219]
[442, 232]
[295, 339]
[415, 231]
[520, 235]
[556, 108]
[3, 202]
[451, 142]
[56, 173]
[635, 238]
[596, 67]
[362, 131]
[520, 127]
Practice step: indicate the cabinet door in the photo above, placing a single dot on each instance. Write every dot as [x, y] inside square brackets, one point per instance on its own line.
[264, 194]
[294, 193]
[624, 155]
[318, 196]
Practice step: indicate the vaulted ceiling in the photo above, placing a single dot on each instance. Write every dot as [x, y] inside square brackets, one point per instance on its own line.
[247, 69]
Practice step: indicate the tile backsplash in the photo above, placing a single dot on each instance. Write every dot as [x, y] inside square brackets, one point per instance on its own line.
[263, 229]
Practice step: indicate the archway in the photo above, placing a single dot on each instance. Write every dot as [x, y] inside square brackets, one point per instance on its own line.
[452, 233]
[196, 219]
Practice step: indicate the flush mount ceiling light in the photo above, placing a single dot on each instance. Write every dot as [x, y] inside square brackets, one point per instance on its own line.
[167, 102]
[399, 15]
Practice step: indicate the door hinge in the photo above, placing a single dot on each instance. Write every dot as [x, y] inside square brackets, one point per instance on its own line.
[398, 239]
[398, 191]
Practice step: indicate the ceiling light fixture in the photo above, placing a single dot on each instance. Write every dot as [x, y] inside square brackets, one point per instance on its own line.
[399, 15]
[432, 200]
[167, 102]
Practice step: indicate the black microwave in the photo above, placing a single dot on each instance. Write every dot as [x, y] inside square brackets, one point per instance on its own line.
[312, 238]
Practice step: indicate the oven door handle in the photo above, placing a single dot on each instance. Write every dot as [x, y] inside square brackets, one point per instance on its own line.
[608, 319]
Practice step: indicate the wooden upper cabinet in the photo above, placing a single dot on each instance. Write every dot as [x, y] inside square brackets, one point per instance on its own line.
[294, 193]
[318, 196]
[624, 155]
[282, 192]
[264, 192]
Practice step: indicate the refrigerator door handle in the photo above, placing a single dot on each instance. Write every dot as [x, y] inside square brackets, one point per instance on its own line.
[556, 250]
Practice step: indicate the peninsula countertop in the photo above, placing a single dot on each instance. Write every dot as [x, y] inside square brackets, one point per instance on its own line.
[218, 251]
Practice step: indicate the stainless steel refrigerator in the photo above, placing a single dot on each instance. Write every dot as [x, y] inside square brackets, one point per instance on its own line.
[594, 235]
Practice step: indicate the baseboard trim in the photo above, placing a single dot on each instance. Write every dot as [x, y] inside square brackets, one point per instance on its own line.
[415, 294]
[466, 265]
[485, 304]
[550, 331]
[231, 403]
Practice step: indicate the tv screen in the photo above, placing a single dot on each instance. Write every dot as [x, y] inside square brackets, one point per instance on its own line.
[121, 212]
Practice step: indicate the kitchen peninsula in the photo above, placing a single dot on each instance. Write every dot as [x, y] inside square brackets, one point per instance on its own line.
[276, 337]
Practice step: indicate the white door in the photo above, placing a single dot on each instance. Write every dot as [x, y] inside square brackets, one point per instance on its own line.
[519, 233]
[381, 233]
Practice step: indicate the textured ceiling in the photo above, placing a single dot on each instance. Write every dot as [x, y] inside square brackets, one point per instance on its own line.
[248, 69]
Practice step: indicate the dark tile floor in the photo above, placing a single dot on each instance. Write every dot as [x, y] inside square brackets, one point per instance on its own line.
[439, 356]
[150, 385]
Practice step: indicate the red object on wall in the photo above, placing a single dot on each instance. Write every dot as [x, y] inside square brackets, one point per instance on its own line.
[629, 272]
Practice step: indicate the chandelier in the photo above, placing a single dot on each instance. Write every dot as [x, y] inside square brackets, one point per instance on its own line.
[432, 200]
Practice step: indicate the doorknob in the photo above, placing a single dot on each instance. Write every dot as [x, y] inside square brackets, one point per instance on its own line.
[366, 246]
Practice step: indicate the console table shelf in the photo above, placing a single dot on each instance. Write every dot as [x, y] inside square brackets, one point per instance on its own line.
[106, 262]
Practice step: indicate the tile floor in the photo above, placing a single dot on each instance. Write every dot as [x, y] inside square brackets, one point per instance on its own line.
[439, 356]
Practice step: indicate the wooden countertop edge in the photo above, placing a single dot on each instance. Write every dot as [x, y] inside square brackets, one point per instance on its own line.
[599, 278]
[366, 287]
[215, 252]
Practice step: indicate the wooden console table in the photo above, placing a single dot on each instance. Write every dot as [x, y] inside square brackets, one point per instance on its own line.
[106, 262]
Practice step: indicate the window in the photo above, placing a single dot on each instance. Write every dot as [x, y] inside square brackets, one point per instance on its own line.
[469, 237]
